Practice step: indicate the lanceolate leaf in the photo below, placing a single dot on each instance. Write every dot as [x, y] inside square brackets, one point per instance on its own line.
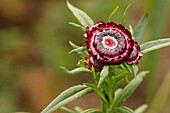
[135, 70]
[127, 66]
[125, 15]
[122, 109]
[141, 109]
[113, 12]
[104, 74]
[97, 90]
[66, 97]
[78, 109]
[116, 95]
[156, 44]
[77, 25]
[129, 89]
[92, 111]
[80, 50]
[67, 110]
[141, 28]
[131, 31]
[74, 45]
[82, 17]
[76, 70]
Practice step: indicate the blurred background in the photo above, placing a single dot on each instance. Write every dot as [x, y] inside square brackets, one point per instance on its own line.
[34, 38]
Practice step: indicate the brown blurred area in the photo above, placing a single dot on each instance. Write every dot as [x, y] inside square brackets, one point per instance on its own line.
[34, 38]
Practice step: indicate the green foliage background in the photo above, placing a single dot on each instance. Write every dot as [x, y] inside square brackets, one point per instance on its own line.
[34, 43]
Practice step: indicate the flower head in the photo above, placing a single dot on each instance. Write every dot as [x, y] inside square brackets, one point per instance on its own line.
[98, 66]
[135, 55]
[109, 43]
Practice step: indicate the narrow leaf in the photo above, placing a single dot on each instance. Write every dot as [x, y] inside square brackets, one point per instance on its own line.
[80, 50]
[127, 66]
[131, 31]
[129, 89]
[141, 28]
[70, 99]
[92, 111]
[64, 95]
[74, 45]
[125, 15]
[113, 12]
[141, 109]
[97, 90]
[77, 25]
[116, 95]
[156, 44]
[67, 110]
[76, 70]
[135, 70]
[104, 74]
[78, 109]
[82, 17]
[77, 49]
[122, 109]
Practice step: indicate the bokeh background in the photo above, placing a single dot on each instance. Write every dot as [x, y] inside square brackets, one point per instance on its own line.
[34, 38]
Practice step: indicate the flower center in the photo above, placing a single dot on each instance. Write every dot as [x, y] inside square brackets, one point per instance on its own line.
[109, 42]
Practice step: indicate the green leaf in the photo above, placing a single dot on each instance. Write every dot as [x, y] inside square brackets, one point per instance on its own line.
[78, 109]
[122, 109]
[141, 109]
[77, 25]
[92, 111]
[127, 66]
[135, 70]
[66, 97]
[131, 31]
[116, 95]
[81, 63]
[80, 50]
[129, 89]
[113, 12]
[97, 90]
[82, 17]
[74, 45]
[76, 70]
[125, 15]
[104, 74]
[156, 44]
[67, 110]
[141, 28]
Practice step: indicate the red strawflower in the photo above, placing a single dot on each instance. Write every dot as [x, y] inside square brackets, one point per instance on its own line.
[98, 66]
[109, 43]
[135, 55]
